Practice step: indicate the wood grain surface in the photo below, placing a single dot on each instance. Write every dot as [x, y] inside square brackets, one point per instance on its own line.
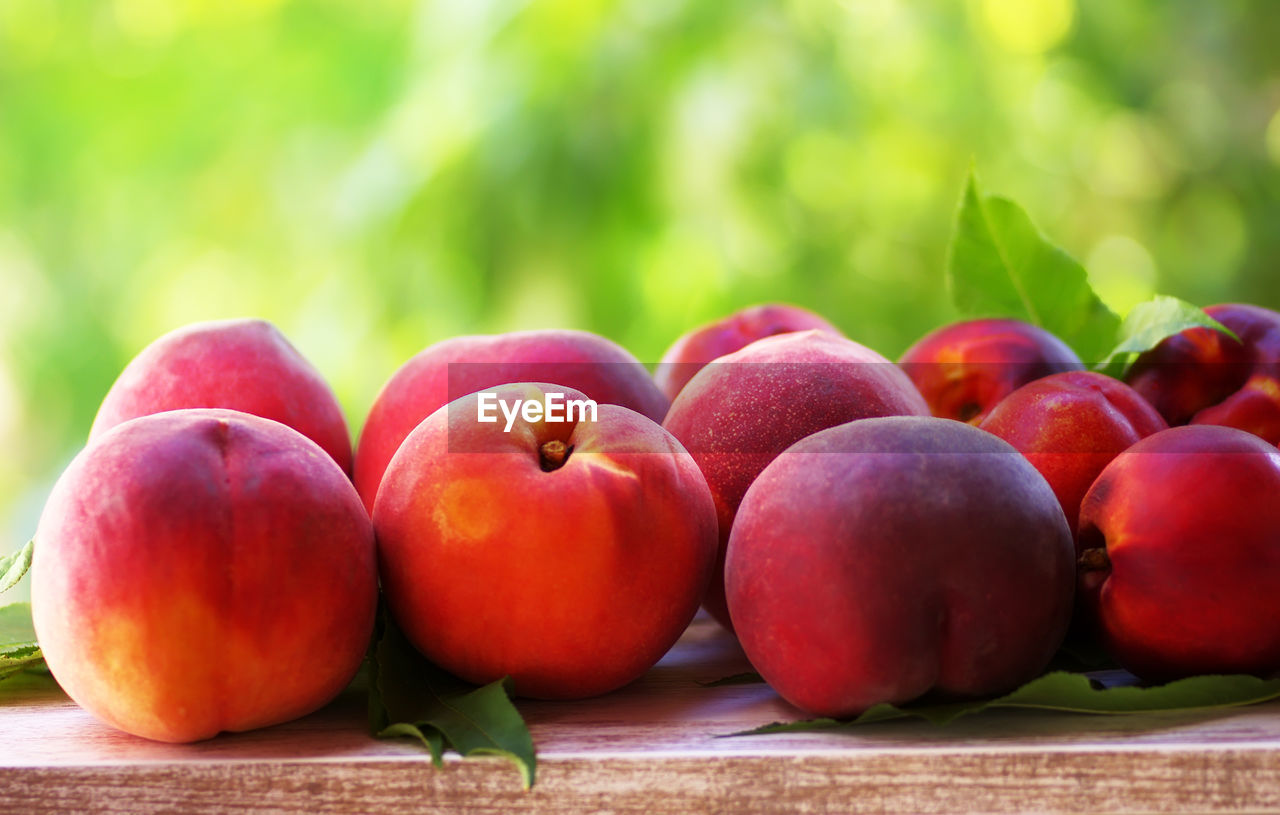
[653, 748]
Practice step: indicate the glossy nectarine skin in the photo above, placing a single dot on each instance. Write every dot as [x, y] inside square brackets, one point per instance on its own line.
[568, 556]
[198, 571]
[1203, 376]
[1069, 426]
[887, 558]
[244, 364]
[437, 375]
[1181, 554]
[693, 350]
[739, 412]
[965, 368]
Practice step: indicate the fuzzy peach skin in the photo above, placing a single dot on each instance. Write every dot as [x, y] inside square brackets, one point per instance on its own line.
[742, 410]
[200, 571]
[886, 558]
[1202, 376]
[455, 367]
[244, 364]
[693, 350]
[965, 368]
[1071, 425]
[569, 556]
[1180, 538]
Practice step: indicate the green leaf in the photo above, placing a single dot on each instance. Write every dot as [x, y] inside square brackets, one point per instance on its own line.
[1000, 265]
[410, 697]
[16, 629]
[20, 684]
[14, 566]
[1149, 323]
[1072, 693]
[18, 648]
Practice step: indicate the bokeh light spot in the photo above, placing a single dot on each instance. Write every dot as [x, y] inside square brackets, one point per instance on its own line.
[820, 168]
[1129, 158]
[1122, 272]
[1028, 26]
[1273, 138]
[1207, 234]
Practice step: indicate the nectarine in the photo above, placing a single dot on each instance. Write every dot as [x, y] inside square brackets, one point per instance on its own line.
[965, 368]
[1180, 563]
[887, 558]
[742, 410]
[1069, 426]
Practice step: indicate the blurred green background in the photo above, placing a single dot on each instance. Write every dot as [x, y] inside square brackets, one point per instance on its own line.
[375, 176]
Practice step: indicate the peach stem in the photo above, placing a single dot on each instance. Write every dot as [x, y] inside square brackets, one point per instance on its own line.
[1094, 560]
[553, 455]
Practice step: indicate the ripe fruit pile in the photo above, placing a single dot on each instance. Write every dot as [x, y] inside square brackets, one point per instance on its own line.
[871, 531]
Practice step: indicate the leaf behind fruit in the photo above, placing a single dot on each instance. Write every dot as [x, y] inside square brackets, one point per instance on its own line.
[1151, 322]
[14, 566]
[1109, 693]
[18, 648]
[1000, 265]
[410, 697]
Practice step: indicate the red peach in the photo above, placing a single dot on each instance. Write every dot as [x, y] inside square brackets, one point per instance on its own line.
[245, 365]
[965, 368]
[739, 412]
[198, 571]
[437, 375]
[691, 351]
[568, 555]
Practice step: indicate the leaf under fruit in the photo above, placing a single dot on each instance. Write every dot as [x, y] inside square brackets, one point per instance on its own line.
[1072, 693]
[411, 697]
[18, 648]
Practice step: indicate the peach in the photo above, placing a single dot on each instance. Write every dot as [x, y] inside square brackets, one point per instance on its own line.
[1202, 376]
[965, 368]
[199, 571]
[887, 558]
[1069, 426]
[739, 412]
[568, 555]
[245, 365]
[456, 367]
[691, 351]
[1180, 537]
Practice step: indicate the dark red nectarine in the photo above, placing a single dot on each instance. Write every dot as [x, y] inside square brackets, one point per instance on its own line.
[1180, 564]
[887, 558]
[965, 368]
[745, 408]
[1069, 426]
[1203, 376]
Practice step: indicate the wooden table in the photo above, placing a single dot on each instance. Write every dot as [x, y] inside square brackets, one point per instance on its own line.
[651, 748]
